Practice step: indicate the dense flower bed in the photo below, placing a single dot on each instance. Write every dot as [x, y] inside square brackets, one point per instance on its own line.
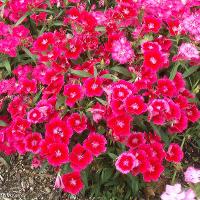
[89, 80]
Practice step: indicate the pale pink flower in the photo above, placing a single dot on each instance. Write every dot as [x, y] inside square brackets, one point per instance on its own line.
[192, 175]
[189, 195]
[173, 192]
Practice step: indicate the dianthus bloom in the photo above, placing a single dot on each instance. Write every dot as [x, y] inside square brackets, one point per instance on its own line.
[95, 143]
[58, 154]
[72, 183]
[174, 153]
[33, 142]
[126, 162]
[175, 192]
[80, 157]
[192, 175]
[122, 51]
[78, 122]
[73, 93]
[187, 51]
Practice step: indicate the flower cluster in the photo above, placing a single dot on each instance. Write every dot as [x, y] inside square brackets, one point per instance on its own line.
[80, 78]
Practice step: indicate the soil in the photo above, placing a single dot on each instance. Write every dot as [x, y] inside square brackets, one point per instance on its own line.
[18, 181]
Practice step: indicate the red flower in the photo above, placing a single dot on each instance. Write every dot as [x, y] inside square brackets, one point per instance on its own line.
[58, 154]
[174, 153]
[150, 46]
[43, 42]
[135, 139]
[121, 89]
[193, 114]
[74, 93]
[77, 122]
[33, 142]
[154, 170]
[95, 143]
[179, 81]
[166, 87]
[135, 105]
[72, 183]
[80, 157]
[174, 112]
[19, 128]
[93, 87]
[157, 151]
[143, 163]
[152, 24]
[28, 86]
[74, 48]
[153, 60]
[17, 107]
[180, 125]
[174, 28]
[120, 124]
[58, 130]
[117, 107]
[126, 162]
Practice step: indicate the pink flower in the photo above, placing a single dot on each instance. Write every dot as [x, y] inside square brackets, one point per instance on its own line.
[98, 112]
[135, 139]
[187, 51]
[95, 143]
[72, 183]
[58, 182]
[122, 51]
[151, 24]
[174, 153]
[35, 163]
[33, 142]
[192, 175]
[74, 93]
[58, 154]
[120, 125]
[58, 130]
[78, 122]
[80, 157]
[154, 170]
[153, 60]
[126, 162]
[93, 86]
[190, 195]
[135, 105]
[166, 87]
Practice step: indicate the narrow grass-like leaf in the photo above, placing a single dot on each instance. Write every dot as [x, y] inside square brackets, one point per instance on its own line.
[80, 73]
[33, 57]
[22, 19]
[190, 71]
[121, 70]
[7, 66]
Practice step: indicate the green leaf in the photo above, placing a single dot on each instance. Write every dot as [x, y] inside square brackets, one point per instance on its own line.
[106, 174]
[121, 70]
[37, 96]
[174, 71]
[162, 134]
[101, 101]
[190, 71]
[22, 19]
[7, 66]
[112, 155]
[32, 56]
[80, 73]
[110, 76]
[2, 123]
